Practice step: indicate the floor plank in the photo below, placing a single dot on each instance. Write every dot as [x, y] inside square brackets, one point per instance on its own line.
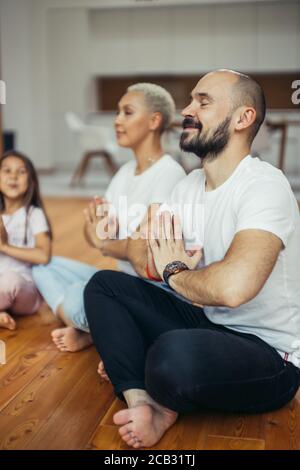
[283, 427]
[84, 407]
[232, 443]
[24, 366]
[238, 426]
[108, 438]
[28, 330]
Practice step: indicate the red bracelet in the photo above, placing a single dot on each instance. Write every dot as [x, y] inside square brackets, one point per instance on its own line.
[150, 276]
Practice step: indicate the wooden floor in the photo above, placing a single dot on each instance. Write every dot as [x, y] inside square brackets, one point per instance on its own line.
[53, 400]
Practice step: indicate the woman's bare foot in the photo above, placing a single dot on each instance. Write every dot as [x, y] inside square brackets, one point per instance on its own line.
[6, 321]
[144, 425]
[70, 339]
[101, 371]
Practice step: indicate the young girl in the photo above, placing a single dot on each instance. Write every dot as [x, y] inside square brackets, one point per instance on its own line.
[25, 237]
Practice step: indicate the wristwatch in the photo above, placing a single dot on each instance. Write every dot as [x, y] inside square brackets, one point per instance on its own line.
[172, 268]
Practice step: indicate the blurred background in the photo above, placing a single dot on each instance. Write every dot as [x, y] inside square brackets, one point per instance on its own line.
[66, 63]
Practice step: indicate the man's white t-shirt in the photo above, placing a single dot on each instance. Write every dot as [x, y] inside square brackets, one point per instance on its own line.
[255, 196]
[132, 194]
[15, 227]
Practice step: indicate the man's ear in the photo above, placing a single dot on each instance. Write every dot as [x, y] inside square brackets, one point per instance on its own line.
[155, 121]
[245, 117]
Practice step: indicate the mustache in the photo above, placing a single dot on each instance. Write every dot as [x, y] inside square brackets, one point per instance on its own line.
[189, 122]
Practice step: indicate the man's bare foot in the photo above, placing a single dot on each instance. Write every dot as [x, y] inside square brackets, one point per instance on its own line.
[6, 321]
[70, 339]
[144, 425]
[101, 371]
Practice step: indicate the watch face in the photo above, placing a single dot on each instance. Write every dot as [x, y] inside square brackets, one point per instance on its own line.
[169, 268]
[174, 267]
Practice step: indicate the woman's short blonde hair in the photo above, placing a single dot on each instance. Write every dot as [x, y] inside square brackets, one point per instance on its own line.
[158, 100]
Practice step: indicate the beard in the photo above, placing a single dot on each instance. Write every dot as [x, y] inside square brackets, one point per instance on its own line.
[202, 146]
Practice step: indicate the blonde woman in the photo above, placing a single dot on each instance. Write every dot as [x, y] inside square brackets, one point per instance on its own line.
[144, 112]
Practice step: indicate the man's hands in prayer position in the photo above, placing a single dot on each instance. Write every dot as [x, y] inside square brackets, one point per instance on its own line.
[167, 245]
[229, 282]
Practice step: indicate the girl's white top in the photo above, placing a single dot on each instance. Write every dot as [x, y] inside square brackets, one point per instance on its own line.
[15, 226]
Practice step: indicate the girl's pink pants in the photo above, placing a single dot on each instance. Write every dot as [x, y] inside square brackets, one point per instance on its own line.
[18, 295]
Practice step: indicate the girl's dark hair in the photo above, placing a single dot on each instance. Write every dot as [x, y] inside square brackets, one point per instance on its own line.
[32, 196]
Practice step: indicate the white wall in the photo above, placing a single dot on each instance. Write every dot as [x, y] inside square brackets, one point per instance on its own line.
[253, 37]
[16, 65]
[51, 54]
[69, 76]
[249, 37]
[24, 69]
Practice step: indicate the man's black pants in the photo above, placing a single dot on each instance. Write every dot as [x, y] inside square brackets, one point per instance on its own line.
[151, 340]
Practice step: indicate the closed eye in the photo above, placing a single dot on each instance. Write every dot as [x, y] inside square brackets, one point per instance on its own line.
[124, 111]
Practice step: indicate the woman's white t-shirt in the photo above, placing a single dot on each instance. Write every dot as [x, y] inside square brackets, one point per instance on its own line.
[132, 194]
[255, 196]
[15, 226]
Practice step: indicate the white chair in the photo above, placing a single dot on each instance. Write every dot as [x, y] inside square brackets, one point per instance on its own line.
[94, 141]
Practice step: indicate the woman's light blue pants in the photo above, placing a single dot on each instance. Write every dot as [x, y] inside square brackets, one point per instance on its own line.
[62, 282]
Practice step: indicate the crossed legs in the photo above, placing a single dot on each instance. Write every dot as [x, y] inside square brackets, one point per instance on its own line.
[62, 283]
[164, 357]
